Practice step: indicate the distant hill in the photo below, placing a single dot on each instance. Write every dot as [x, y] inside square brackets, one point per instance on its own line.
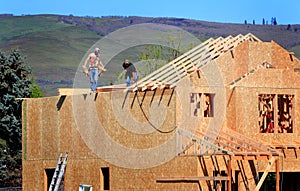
[55, 44]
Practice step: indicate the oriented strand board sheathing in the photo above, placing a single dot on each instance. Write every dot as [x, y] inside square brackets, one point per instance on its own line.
[72, 123]
[241, 59]
[32, 145]
[259, 53]
[281, 57]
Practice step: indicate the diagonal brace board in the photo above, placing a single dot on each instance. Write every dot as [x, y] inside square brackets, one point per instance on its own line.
[261, 181]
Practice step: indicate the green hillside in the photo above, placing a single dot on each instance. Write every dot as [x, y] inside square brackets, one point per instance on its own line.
[53, 49]
[55, 44]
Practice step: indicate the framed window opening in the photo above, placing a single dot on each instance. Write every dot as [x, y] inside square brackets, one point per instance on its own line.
[201, 104]
[285, 113]
[276, 113]
[266, 113]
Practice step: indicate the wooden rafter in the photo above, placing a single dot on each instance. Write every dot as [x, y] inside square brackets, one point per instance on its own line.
[189, 144]
[191, 179]
[173, 72]
[226, 141]
[153, 76]
[257, 146]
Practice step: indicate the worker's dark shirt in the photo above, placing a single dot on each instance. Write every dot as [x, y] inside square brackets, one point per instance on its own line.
[129, 67]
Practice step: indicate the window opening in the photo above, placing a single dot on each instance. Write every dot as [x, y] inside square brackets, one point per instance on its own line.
[105, 178]
[49, 174]
[195, 104]
[201, 103]
[266, 113]
[285, 113]
[208, 107]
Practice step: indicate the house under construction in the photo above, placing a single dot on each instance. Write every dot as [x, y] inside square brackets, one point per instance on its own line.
[222, 116]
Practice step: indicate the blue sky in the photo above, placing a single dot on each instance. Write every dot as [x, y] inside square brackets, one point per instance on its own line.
[226, 11]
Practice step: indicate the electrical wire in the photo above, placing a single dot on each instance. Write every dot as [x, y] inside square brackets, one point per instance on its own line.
[151, 124]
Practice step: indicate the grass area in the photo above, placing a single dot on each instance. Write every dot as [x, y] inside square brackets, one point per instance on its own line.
[53, 49]
[18, 27]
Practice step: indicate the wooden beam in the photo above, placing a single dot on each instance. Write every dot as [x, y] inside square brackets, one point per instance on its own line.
[229, 172]
[202, 143]
[178, 68]
[192, 179]
[251, 142]
[242, 139]
[286, 146]
[252, 157]
[277, 175]
[73, 91]
[76, 91]
[185, 56]
[232, 143]
[262, 179]
[243, 148]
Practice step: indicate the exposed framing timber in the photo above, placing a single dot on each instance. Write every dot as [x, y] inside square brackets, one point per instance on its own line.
[262, 179]
[199, 56]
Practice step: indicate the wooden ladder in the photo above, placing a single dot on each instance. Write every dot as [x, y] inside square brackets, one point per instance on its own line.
[58, 173]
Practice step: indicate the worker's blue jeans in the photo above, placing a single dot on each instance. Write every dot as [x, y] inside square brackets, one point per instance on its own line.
[128, 79]
[94, 79]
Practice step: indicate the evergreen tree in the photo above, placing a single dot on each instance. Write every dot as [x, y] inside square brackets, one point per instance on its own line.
[16, 82]
[275, 22]
[35, 90]
[272, 21]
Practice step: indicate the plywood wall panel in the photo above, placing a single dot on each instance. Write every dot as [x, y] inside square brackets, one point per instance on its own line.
[31, 132]
[259, 52]
[281, 57]
[241, 60]
[49, 127]
[74, 124]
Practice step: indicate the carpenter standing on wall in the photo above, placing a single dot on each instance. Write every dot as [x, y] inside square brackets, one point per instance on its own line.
[131, 75]
[93, 68]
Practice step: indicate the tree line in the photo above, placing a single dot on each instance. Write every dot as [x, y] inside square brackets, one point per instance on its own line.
[264, 22]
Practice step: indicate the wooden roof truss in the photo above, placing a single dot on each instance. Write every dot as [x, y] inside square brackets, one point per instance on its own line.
[170, 74]
[226, 141]
[189, 144]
